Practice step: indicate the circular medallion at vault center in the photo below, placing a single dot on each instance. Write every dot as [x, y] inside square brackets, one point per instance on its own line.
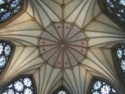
[62, 45]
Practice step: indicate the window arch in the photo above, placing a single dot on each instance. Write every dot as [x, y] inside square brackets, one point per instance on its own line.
[6, 52]
[115, 10]
[61, 90]
[23, 84]
[10, 10]
[100, 86]
[118, 54]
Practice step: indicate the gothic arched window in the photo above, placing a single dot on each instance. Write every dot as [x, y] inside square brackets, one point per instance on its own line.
[61, 90]
[10, 9]
[100, 86]
[115, 10]
[6, 52]
[118, 53]
[21, 85]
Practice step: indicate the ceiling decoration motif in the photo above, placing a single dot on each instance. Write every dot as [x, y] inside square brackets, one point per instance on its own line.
[97, 31]
[23, 84]
[115, 9]
[118, 53]
[63, 45]
[10, 9]
[99, 86]
[6, 53]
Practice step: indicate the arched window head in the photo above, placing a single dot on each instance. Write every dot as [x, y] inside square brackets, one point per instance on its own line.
[118, 53]
[115, 10]
[100, 86]
[61, 90]
[21, 85]
[10, 9]
[6, 52]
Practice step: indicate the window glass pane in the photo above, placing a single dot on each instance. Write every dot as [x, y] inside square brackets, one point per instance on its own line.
[115, 10]
[122, 2]
[61, 92]
[101, 87]
[22, 85]
[116, 7]
[118, 54]
[9, 8]
[6, 50]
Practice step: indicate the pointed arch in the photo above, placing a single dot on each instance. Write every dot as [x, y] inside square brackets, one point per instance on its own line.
[115, 10]
[61, 90]
[118, 54]
[7, 50]
[23, 84]
[101, 86]
[10, 10]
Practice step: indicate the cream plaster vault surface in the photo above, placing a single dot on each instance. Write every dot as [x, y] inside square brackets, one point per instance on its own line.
[90, 56]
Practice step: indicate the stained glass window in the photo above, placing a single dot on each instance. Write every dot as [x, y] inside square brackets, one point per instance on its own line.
[21, 85]
[115, 9]
[9, 8]
[61, 90]
[99, 86]
[119, 60]
[120, 51]
[6, 50]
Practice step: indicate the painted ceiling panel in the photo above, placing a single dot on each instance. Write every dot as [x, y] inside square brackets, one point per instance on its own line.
[30, 9]
[96, 41]
[72, 7]
[106, 20]
[102, 58]
[83, 15]
[49, 13]
[76, 71]
[99, 26]
[56, 8]
[25, 25]
[70, 82]
[54, 74]
[57, 82]
[96, 9]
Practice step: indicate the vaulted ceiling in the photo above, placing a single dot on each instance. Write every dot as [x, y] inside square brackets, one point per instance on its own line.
[97, 31]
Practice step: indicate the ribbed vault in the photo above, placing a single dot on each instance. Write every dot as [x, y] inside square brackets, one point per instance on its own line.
[100, 33]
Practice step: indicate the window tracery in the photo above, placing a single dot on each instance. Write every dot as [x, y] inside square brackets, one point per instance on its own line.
[99, 86]
[118, 53]
[61, 90]
[9, 9]
[114, 9]
[21, 85]
[6, 50]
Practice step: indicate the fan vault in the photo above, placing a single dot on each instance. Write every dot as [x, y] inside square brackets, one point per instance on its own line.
[44, 25]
